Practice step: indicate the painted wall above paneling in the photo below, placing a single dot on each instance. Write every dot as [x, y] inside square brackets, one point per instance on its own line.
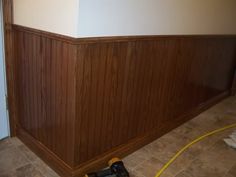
[58, 16]
[156, 17]
[92, 18]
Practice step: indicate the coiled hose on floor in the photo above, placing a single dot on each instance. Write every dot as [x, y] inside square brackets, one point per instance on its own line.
[190, 144]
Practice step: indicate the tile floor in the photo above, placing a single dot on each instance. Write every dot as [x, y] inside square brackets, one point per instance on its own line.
[209, 158]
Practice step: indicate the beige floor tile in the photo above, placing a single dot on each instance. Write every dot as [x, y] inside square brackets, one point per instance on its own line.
[136, 158]
[131, 162]
[199, 168]
[208, 121]
[27, 171]
[229, 175]
[44, 169]
[24, 171]
[232, 171]
[188, 130]
[5, 144]
[181, 163]
[220, 155]
[27, 153]
[184, 174]
[15, 141]
[149, 167]
[6, 174]
[134, 173]
[11, 158]
[165, 147]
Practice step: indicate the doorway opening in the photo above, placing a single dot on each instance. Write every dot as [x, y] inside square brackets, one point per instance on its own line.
[4, 118]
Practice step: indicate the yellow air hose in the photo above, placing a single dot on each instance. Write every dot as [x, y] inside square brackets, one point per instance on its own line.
[190, 144]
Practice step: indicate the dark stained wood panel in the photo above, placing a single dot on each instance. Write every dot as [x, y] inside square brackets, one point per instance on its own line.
[46, 89]
[126, 89]
[82, 101]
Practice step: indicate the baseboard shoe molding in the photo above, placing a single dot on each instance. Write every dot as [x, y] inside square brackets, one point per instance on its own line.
[121, 151]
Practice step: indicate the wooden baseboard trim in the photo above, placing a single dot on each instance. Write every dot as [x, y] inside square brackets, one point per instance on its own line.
[44, 153]
[121, 151]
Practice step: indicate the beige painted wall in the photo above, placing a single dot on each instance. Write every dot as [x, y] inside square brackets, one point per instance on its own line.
[88, 18]
[58, 16]
[151, 17]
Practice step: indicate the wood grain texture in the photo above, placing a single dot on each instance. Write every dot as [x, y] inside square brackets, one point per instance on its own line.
[80, 103]
[126, 89]
[46, 91]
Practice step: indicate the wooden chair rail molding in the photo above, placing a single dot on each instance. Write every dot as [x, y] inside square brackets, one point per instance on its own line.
[113, 39]
[83, 101]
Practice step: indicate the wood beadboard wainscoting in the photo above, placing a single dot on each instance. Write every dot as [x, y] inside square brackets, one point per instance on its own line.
[83, 101]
